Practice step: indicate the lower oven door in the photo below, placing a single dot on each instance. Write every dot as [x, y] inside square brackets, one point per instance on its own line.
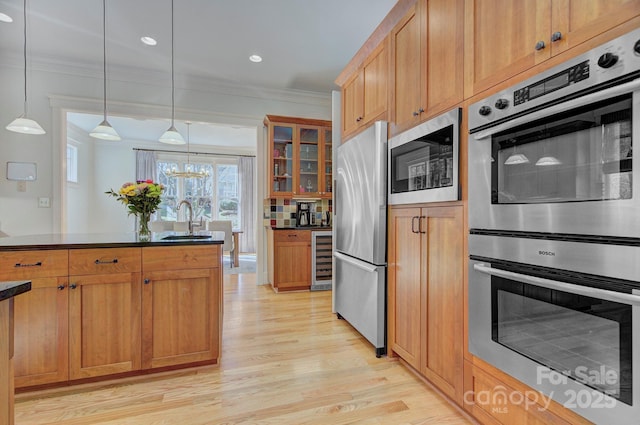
[574, 344]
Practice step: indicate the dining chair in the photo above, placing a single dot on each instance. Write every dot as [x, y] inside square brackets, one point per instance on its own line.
[226, 227]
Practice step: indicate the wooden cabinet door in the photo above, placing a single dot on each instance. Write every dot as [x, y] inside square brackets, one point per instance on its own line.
[443, 237]
[104, 324]
[375, 76]
[352, 106]
[326, 170]
[407, 86]
[308, 166]
[181, 313]
[580, 20]
[503, 36]
[292, 265]
[41, 333]
[281, 159]
[444, 55]
[405, 289]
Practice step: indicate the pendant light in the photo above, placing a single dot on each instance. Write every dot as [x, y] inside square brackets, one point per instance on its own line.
[104, 130]
[516, 158]
[189, 171]
[172, 136]
[22, 124]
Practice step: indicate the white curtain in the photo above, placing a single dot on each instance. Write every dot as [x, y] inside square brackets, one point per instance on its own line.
[248, 218]
[146, 165]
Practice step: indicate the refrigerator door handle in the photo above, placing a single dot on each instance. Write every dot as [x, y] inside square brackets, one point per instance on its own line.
[382, 163]
[357, 263]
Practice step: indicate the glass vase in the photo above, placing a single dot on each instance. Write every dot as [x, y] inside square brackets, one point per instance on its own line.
[144, 234]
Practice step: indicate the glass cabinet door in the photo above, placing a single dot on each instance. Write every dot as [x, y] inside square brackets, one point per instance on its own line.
[328, 165]
[308, 160]
[282, 166]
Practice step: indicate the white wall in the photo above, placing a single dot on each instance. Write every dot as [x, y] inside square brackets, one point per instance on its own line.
[55, 89]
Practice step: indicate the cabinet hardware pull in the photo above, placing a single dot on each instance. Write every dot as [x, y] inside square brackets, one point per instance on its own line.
[147, 281]
[421, 110]
[420, 224]
[61, 287]
[413, 224]
[38, 264]
[114, 261]
[556, 36]
[73, 286]
[540, 45]
[415, 113]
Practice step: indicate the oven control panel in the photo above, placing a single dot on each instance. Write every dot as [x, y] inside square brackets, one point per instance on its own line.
[614, 60]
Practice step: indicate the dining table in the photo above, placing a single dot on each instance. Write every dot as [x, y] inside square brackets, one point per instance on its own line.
[236, 247]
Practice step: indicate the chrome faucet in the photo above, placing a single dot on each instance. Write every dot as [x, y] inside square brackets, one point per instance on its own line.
[190, 222]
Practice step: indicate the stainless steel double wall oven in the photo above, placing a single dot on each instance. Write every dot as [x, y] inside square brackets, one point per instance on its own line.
[554, 244]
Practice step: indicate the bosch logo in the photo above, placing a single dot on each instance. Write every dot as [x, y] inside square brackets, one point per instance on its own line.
[547, 253]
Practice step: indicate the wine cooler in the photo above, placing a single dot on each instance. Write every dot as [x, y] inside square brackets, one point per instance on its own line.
[321, 267]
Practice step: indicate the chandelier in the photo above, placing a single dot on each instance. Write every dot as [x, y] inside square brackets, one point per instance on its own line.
[189, 169]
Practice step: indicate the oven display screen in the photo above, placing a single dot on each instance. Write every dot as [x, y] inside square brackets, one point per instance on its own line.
[555, 82]
[552, 84]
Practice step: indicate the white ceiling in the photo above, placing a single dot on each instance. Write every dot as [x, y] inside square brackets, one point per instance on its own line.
[305, 43]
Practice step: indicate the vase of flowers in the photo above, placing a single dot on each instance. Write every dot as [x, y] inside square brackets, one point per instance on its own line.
[142, 199]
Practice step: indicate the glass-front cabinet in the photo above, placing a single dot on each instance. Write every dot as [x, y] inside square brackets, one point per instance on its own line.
[282, 159]
[308, 159]
[299, 157]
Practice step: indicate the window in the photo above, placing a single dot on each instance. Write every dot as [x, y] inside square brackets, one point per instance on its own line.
[214, 197]
[72, 163]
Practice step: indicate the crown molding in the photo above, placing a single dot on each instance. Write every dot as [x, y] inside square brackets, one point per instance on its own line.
[158, 78]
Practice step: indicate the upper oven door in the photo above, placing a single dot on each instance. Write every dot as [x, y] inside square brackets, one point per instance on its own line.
[568, 168]
[423, 161]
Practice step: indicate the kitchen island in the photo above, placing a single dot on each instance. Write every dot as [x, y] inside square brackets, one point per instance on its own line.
[8, 290]
[107, 305]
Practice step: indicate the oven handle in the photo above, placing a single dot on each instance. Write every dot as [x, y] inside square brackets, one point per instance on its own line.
[587, 291]
[561, 107]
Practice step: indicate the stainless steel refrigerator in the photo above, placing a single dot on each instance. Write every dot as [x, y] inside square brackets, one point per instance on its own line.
[360, 224]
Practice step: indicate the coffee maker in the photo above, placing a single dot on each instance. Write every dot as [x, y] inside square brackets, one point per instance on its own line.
[304, 214]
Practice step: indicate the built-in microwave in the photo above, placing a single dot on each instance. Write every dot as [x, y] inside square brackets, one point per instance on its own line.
[423, 161]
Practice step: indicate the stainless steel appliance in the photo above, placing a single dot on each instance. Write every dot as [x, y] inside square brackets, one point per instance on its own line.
[563, 317]
[423, 161]
[554, 244]
[555, 153]
[303, 213]
[360, 217]
[321, 260]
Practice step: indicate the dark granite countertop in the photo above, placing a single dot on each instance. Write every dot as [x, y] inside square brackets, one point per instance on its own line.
[100, 240]
[12, 288]
[302, 228]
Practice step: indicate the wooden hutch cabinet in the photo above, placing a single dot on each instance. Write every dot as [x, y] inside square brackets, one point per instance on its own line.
[299, 157]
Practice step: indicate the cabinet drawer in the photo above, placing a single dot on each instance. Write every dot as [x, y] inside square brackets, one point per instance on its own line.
[180, 257]
[292, 236]
[104, 260]
[17, 265]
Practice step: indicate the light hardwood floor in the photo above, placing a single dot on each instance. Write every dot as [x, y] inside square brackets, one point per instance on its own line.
[286, 360]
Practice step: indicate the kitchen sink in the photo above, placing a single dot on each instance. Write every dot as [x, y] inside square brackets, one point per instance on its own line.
[185, 237]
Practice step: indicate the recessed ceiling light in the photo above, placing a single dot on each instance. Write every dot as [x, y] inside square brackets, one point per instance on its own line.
[5, 18]
[149, 41]
[255, 58]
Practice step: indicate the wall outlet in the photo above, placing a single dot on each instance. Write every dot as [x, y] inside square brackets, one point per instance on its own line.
[44, 203]
[22, 186]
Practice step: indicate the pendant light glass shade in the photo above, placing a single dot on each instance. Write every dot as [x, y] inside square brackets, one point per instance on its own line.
[517, 158]
[22, 124]
[171, 136]
[25, 125]
[104, 130]
[548, 160]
